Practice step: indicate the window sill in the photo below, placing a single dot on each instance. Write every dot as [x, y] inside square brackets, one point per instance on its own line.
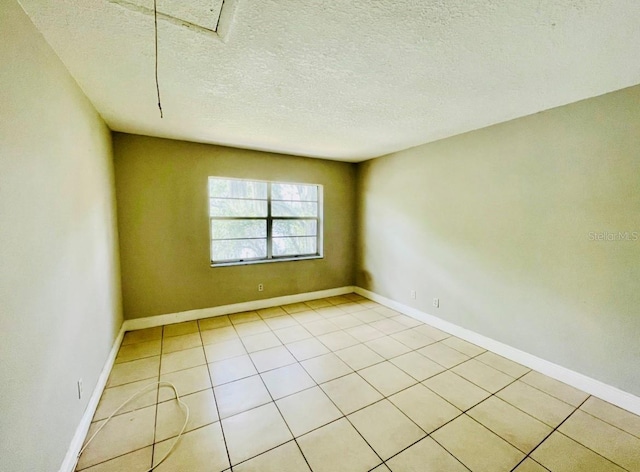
[266, 261]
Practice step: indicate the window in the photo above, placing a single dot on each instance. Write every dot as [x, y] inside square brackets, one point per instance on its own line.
[256, 221]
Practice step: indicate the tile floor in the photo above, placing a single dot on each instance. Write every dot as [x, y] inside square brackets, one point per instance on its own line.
[345, 384]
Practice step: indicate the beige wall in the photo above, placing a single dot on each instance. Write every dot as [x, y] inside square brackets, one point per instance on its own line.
[496, 224]
[164, 233]
[59, 284]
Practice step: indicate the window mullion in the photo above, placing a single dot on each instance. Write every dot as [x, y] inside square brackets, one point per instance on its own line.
[269, 223]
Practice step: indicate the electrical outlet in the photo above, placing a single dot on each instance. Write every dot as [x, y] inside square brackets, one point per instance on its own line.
[260, 287]
[413, 294]
[79, 389]
[436, 302]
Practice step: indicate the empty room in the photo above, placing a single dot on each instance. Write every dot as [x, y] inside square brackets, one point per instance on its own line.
[295, 236]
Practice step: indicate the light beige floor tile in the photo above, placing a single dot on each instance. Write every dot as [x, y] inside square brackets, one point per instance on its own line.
[386, 311]
[287, 380]
[623, 419]
[503, 365]
[463, 346]
[337, 447]
[351, 392]
[562, 454]
[228, 370]
[368, 316]
[417, 366]
[353, 297]
[123, 434]
[307, 410]
[140, 350]
[114, 397]
[364, 333]
[432, 332]
[346, 321]
[337, 300]
[254, 432]
[413, 339]
[408, 321]
[352, 307]
[241, 395]
[329, 312]
[271, 312]
[224, 350]
[141, 335]
[369, 303]
[137, 461]
[307, 348]
[338, 340]
[178, 329]
[292, 334]
[387, 378]
[456, 390]
[387, 347]
[326, 367]
[529, 465]
[385, 428]
[443, 354]
[317, 303]
[320, 327]
[252, 327]
[132, 371]
[425, 408]
[171, 416]
[483, 375]
[272, 358]
[388, 326]
[258, 342]
[546, 408]
[201, 450]
[359, 356]
[616, 445]
[477, 447]
[426, 455]
[244, 317]
[279, 322]
[182, 360]
[285, 458]
[214, 322]
[219, 335]
[295, 308]
[307, 316]
[512, 425]
[557, 389]
[181, 342]
[186, 381]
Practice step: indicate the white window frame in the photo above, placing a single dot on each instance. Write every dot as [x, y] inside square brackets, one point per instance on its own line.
[269, 220]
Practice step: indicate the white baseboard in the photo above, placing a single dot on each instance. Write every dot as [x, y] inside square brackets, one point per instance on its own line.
[580, 381]
[191, 315]
[71, 458]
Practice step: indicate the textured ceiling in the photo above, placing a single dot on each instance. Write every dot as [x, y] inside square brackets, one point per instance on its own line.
[345, 80]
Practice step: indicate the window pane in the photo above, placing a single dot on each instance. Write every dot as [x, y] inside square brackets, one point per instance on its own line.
[224, 207]
[232, 188]
[238, 249]
[294, 246]
[294, 192]
[294, 228]
[238, 229]
[294, 208]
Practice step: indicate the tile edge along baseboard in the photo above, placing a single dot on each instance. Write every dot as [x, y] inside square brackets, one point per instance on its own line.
[580, 381]
[592, 386]
[71, 458]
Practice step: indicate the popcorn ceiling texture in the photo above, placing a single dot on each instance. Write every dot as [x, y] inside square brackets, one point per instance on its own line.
[343, 80]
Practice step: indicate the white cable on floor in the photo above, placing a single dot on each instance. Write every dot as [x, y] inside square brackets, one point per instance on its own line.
[135, 395]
